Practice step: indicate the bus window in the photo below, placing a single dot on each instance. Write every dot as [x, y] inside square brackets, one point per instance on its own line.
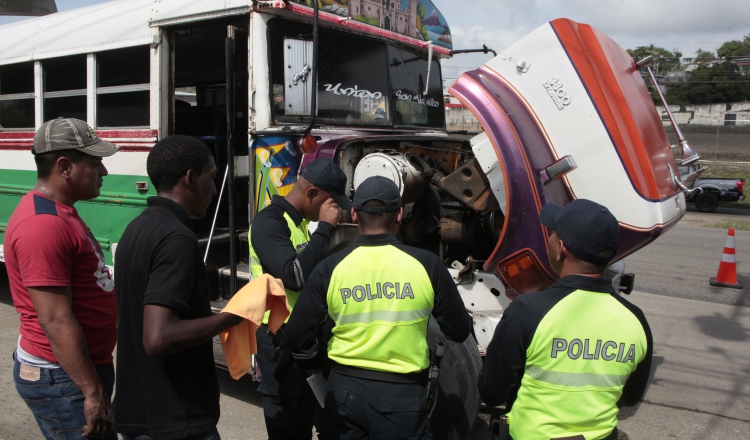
[408, 76]
[122, 87]
[64, 87]
[352, 79]
[17, 96]
[361, 81]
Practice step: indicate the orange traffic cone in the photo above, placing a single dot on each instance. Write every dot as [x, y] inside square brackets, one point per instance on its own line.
[727, 276]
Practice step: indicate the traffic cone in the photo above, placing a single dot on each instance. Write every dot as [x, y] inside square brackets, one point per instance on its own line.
[727, 276]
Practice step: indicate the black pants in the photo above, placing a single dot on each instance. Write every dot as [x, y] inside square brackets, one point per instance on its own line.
[289, 405]
[367, 409]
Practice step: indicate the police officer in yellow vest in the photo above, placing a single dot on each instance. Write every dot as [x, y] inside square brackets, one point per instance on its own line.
[564, 360]
[379, 293]
[281, 246]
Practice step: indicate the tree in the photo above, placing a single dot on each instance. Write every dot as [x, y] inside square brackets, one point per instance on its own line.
[710, 85]
[735, 48]
[664, 60]
[704, 55]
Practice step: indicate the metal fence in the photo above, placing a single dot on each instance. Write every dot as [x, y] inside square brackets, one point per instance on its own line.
[457, 119]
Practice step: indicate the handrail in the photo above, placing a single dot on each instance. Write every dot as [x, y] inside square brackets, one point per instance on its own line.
[216, 214]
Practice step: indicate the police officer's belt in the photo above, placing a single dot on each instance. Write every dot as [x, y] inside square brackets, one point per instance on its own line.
[612, 436]
[382, 376]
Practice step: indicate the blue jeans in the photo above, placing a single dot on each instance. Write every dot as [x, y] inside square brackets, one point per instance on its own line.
[213, 434]
[57, 403]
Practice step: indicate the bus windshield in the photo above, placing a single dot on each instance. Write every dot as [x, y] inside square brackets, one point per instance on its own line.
[361, 81]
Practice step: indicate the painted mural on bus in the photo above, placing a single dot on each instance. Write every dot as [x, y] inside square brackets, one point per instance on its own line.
[418, 19]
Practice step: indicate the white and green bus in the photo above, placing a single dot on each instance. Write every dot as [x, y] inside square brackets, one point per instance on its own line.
[272, 85]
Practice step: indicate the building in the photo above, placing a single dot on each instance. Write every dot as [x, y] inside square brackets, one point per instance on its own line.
[387, 14]
[680, 76]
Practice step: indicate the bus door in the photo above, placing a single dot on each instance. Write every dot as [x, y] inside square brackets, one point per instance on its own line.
[209, 97]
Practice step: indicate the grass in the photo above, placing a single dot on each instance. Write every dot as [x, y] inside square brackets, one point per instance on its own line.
[745, 204]
[740, 225]
[692, 128]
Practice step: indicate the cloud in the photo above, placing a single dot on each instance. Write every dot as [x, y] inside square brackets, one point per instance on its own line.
[686, 25]
[677, 22]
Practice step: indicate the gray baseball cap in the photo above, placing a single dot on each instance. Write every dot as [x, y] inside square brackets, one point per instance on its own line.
[71, 134]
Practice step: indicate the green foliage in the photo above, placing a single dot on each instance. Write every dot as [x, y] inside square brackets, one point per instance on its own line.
[704, 55]
[709, 85]
[740, 225]
[654, 95]
[421, 13]
[425, 34]
[369, 20]
[664, 60]
[735, 48]
[654, 51]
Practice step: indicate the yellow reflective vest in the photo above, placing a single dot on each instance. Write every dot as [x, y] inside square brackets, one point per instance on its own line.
[380, 299]
[561, 359]
[300, 236]
[379, 294]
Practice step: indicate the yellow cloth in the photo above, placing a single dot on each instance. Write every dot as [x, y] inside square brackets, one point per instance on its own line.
[251, 302]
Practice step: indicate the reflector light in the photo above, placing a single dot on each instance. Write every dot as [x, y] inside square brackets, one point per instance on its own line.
[308, 144]
[740, 186]
[524, 273]
[141, 186]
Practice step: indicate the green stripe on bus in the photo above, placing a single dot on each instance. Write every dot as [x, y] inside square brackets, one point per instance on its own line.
[107, 215]
[104, 197]
[576, 379]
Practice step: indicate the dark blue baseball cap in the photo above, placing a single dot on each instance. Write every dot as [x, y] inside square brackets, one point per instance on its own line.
[588, 229]
[324, 174]
[377, 188]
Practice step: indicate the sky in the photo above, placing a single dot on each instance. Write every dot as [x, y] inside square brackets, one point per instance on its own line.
[685, 25]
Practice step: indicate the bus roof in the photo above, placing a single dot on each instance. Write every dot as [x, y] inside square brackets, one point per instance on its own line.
[125, 23]
[103, 26]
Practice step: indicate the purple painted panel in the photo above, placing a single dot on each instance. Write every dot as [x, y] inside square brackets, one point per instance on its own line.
[524, 152]
[511, 127]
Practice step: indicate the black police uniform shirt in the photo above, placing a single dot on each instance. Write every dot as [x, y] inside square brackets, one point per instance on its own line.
[574, 344]
[159, 262]
[270, 237]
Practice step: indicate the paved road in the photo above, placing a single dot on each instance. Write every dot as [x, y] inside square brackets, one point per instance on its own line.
[700, 379]
[680, 263]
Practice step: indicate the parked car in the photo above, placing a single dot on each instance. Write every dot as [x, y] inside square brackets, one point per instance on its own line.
[714, 189]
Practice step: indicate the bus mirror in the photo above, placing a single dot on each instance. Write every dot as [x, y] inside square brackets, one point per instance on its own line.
[297, 67]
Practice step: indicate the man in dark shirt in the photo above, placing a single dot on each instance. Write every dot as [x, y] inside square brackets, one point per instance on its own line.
[379, 294]
[281, 245]
[564, 359]
[166, 383]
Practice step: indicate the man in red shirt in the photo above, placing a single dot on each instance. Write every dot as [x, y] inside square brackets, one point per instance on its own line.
[62, 289]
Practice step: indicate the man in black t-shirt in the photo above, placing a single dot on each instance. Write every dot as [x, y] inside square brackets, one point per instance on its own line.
[166, 381]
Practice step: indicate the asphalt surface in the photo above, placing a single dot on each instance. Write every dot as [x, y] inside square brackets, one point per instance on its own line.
[680, 262]
[699, 388]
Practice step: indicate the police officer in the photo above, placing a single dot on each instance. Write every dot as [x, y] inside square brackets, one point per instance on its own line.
[563, 360]
[379, 294]
[281, 245]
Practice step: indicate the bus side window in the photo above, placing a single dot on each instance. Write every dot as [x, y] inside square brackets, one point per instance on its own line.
[123, 84]
[17, 96]
[65, 87]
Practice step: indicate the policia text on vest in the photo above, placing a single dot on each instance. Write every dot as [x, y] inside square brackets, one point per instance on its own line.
[380, 290]
[588, 349]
